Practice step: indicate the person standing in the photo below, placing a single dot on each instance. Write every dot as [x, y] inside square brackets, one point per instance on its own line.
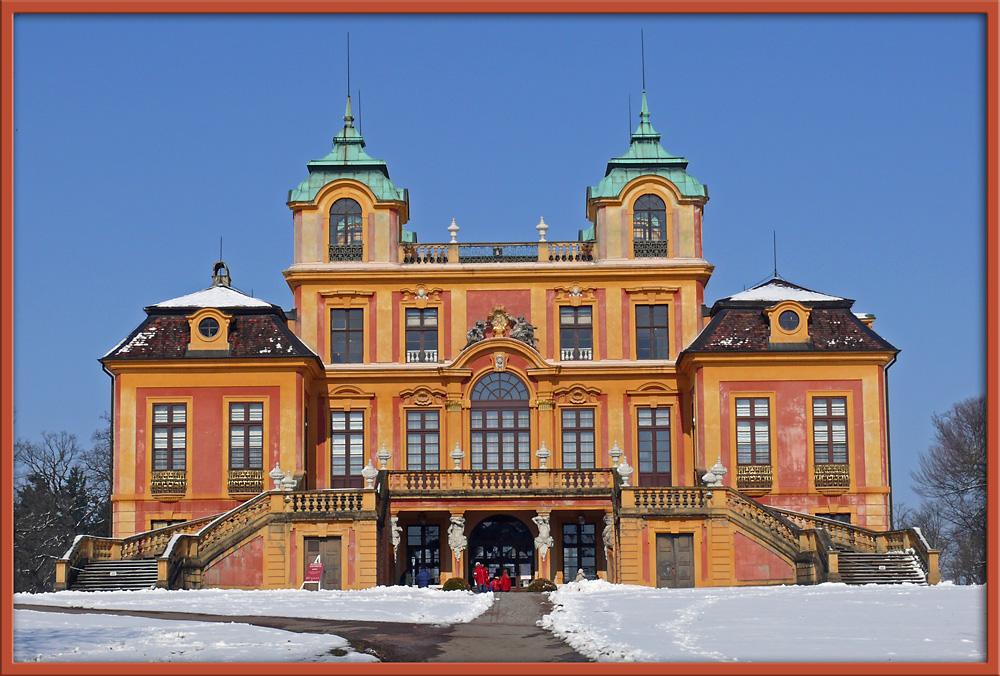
[423, 578]
[504, 581]
[481, 577]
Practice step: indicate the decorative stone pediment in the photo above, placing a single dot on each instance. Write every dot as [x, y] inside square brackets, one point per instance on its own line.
[577, 394]
[423, 396]
[421, 295]
[575, 293]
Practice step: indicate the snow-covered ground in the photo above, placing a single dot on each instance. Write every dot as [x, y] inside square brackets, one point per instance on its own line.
[58, 637]
[827, 623]
[822, 623]
[380, 604]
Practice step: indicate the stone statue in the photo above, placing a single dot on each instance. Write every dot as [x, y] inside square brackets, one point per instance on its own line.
[544, 539]
[476, 333]
[609, 531]
[394, 530]
[456, 536]
[523, 331]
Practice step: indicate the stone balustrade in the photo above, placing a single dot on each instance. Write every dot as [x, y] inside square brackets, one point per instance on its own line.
[496, 252]
[492, 481]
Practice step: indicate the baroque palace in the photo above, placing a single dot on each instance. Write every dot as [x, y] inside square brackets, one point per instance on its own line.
[543, 407]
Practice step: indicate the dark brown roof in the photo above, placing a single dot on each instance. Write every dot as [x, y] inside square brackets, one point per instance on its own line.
[251, 335]
[748, 329]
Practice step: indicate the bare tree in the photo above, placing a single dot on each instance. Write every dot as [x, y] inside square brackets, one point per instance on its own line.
[952, 479]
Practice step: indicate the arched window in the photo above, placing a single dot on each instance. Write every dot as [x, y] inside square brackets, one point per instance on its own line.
[500, 422]
[345, 223]
[649, 221]
[498, 386]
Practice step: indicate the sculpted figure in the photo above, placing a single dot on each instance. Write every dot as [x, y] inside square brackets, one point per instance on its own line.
[456, 536]
[476, 333]
[544, 539]
[609, 531]
[523, 331]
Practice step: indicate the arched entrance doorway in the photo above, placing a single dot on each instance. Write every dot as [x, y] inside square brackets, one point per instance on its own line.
[500, 423]
[501, 542]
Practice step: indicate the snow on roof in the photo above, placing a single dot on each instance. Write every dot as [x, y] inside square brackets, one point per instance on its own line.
[215, 296]
[778, 290]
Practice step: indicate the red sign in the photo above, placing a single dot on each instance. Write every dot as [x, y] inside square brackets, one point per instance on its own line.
[314, 571]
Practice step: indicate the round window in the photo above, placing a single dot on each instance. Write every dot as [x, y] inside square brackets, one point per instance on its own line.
[788, 320]
[208, 327]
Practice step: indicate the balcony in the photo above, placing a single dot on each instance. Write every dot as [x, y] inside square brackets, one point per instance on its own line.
[168, 482]
[582, 481]
[655, 249]
[346, 252]
[421, 356]
[832, 479]
[753, 480]
[576, 354]
[246, 480]
[493, 252]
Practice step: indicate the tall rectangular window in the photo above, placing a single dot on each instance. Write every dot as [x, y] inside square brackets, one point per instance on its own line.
[753, 431]
[578, 447]
[421, 335]
[246, 435]
[423, 440]
[347, 336]
[347, 448]
[651, 336]
[423, 550]
[576, 333]
[830, 430]
[169, 436]
[654, 446]
[579, 550]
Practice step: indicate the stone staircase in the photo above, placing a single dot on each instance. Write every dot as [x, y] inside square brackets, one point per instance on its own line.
[116, 575]
[884, 568]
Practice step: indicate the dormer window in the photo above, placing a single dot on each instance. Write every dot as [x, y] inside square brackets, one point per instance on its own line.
[346, 237]
[208, 327]
[789, 320]
[209, 332]
[649, 227]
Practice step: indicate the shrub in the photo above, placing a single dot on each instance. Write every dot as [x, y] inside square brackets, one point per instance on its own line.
[541, 584]
[451, 584]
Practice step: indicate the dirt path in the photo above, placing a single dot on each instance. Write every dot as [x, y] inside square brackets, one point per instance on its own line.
[504, 633]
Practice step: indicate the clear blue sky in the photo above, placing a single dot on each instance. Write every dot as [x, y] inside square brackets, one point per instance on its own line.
[141, 140]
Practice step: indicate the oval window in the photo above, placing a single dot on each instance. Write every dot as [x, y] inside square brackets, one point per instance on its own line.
[208, 327]
[788, 320]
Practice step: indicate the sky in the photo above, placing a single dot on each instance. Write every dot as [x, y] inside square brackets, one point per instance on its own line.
[853, 146]
[607, 623]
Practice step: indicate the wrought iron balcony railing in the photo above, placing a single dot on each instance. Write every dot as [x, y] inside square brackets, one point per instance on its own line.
[493, 252]
[346, 252]
[753, 479]
[833, 476]
[656, 249]
[246, 480]
[168, 482]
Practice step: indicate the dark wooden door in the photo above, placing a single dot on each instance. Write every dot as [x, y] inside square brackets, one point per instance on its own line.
[674, 560]
[328, 549]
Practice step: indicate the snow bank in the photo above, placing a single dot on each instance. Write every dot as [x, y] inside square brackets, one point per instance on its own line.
[822, 623]
[379, 604]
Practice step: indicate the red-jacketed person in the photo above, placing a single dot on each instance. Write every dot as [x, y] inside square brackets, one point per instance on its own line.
[504, 581]
[482, 578]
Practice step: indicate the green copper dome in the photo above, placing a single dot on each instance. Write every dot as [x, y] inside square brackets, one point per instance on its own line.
[646, 157]
[348, 160]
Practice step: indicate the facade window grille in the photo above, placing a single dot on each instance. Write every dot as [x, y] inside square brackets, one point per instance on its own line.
[578, 445]
[169, 437]
[654, 446]
[246, 435]
[347, 448]
[652, 339]
[347, 336]
[423, 440]
[576, 333]
[421, 335]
